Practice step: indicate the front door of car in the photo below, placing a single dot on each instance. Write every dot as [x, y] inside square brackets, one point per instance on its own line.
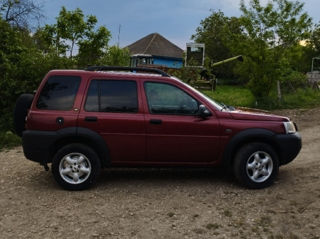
[175, 133]
[112, 109]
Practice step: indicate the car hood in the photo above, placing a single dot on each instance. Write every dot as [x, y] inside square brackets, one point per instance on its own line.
[255, 114]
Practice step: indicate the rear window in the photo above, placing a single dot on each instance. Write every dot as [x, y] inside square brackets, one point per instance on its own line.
[112, 96]
[59, 93]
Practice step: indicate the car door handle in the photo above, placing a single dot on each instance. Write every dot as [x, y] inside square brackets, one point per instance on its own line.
[155, 121]
[91, 119]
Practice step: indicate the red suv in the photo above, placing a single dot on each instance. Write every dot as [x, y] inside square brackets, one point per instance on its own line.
[85, 120]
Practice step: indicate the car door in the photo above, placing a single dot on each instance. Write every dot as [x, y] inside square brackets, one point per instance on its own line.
[112, 109]
[57, 103]
[175, 134]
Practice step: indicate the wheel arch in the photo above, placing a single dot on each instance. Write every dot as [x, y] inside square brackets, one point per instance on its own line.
[87, 137]
[245, 137]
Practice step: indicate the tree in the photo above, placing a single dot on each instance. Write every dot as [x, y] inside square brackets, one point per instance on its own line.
[22, 66]
[116, 56]
[74, 32]
[25, 58]
[20, 12]
[217, 32]
[93, 49]
[313, 46]
[71, 26]
[272, 31]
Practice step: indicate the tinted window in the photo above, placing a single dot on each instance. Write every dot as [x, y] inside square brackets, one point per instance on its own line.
[92, 103]
[168, 99]
[112, 96]
[59, 93]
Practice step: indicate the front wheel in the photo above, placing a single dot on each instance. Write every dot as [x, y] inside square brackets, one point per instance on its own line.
[256, 165]
[76, 167]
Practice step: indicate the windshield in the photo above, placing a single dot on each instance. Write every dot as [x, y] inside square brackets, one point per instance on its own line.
[215, 104]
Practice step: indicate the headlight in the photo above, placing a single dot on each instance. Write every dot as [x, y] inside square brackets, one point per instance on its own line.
[289, 127]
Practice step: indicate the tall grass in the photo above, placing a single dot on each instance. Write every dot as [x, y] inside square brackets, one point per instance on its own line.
[232, 95]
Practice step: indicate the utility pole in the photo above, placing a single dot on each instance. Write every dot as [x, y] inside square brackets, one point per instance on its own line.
[119, 35]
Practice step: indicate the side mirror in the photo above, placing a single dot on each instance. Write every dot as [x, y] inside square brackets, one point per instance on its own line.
[203, 112]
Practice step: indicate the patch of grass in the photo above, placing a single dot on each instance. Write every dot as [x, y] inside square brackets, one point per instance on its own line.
[232, 95]
[9, 140]
[302, 98]
[236, 95]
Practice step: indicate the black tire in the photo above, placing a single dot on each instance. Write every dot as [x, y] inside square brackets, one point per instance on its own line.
[76, 179]
[23, 104]
[256, 165]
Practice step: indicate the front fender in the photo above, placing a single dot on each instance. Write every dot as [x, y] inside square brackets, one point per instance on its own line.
[244, 137]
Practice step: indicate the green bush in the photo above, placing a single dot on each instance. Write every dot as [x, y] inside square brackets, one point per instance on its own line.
[9, 140]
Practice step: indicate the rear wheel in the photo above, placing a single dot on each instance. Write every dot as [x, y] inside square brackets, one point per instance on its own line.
[256, 165]
[76, 167]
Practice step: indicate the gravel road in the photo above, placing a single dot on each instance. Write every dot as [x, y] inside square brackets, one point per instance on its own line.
[165, 203]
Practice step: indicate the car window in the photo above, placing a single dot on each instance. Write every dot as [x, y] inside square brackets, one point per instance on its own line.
[168, 99]
[112, 96]
[59, 93]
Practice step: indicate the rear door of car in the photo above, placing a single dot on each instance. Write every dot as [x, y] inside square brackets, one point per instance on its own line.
[175, 134]
[112, 108]
[57, 103]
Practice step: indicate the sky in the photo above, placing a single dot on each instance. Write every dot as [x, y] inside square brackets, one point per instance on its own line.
[176, 20]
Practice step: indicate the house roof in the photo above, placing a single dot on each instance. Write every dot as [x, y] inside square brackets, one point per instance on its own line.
[156, 45]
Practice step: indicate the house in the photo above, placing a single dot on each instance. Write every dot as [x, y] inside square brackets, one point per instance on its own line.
[155, 50]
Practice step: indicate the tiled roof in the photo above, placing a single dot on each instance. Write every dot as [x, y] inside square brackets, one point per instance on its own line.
[156, 45]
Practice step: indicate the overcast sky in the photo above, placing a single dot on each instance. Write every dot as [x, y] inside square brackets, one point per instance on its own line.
[176, 20]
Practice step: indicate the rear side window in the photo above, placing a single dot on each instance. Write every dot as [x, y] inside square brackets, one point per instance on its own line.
[59, 93]
[112, 96]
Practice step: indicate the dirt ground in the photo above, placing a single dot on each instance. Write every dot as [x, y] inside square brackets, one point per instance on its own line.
[165, 203]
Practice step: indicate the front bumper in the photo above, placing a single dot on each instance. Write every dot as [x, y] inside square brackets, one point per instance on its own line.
[289, 146]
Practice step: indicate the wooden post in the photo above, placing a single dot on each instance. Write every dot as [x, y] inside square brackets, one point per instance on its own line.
[279, 91]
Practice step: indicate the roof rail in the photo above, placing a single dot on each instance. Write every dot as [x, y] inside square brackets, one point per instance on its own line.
[126, 68]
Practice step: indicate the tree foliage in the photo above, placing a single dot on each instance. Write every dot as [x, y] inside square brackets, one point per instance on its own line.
[74, 30]
[20, 12]
[116, 56]
[273, 31]
[93, 48]
[268, 36]
[217, 31]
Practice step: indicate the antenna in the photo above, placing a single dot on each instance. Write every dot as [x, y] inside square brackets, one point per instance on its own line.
[119, 35]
